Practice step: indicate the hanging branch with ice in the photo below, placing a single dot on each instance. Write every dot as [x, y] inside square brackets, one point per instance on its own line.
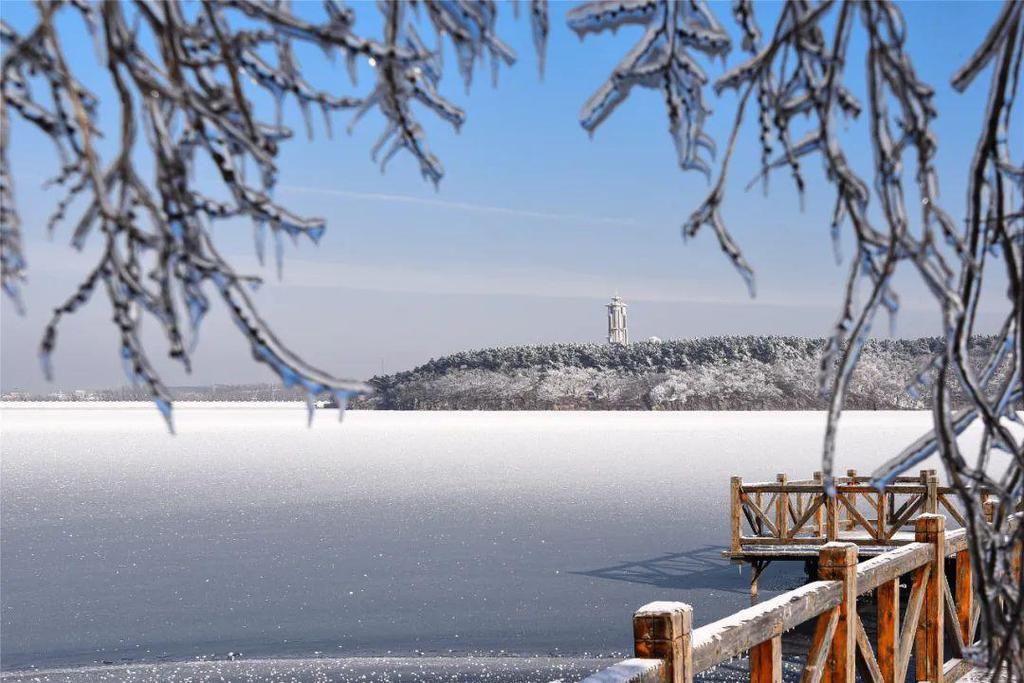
[798, 71]
[660, 60]
[185, 78]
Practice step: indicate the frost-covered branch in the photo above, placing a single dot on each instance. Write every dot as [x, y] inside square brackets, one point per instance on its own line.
[797, 72]
[185, 78]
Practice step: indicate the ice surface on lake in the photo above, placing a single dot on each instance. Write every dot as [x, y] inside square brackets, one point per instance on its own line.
[392, 534]
[323, 670]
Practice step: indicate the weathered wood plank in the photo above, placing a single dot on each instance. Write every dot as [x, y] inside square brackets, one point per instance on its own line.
[750, 518]
[766, 661]
[905, 519]
[955, 669]
[870, 667]
[975, 618]
[636, 670]
[735, 634]
[794, 487]
[931, 496]
[956, 541]
[820, 515]
[910, 619]
[951, 509]
[735, 504]
[831, 518]
[852, 510]
[881, 510]
[898, 512]
[811, 511]
[774, 540]
[838, 562]
[952, 618]
[781, 508]
[887, 600]
[754, 507]
[899, 561]
[824, 631]
[662, 630]
[931, 528]
[845, 537]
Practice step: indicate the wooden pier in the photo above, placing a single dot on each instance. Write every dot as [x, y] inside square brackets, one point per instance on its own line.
[860, 546]
[793, 519]
[940, 613]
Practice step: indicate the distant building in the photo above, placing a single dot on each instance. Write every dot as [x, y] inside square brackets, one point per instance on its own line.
[617, 333]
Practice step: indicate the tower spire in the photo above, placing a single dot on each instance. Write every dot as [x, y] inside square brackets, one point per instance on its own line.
[617, 333]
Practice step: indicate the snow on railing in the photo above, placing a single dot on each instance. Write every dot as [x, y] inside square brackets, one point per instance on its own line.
[798, 512]
[663, 631]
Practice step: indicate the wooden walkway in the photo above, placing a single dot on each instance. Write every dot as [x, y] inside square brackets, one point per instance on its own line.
[921, 639]
[889, 548]
[786, 520]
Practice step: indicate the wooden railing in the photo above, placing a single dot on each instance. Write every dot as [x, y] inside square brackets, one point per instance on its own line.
[669, 650]
[793, 513]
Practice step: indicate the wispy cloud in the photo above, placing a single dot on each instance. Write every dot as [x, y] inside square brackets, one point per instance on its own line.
[461, 206]
[493, 280]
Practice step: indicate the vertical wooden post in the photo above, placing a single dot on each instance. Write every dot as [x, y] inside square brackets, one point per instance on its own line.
[1017, 558]
[931, 497]
[832, 517]
[735, 513]
[882, 512]
[887, 599]
[661, 630]
[819, 514]
[849, 522]
[781, 507]
[931, 528]
[964, 594]
[852, 476]
[988, 507]
[766, 661]
[838, 562]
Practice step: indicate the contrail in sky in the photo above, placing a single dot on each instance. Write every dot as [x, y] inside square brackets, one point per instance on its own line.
[461, 206]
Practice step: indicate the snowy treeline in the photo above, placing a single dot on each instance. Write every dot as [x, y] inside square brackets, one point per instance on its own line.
[714, 373]
[711, 373]
[217, 392]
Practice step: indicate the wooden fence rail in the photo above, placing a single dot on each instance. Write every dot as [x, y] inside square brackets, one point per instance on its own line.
[669, 650]
[774, 519]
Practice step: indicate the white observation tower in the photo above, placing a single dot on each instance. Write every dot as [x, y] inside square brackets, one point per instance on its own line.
[617, 333]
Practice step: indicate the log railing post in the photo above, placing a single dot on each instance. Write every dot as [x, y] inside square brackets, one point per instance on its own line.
[931, 528]
[1017, 556]
[832, 517]
[662, 630]
[838, 562]
[882, 513]
[988, 508]
[850, 523]
[887, 599]
[735, 512]
[781, 508]
[766, 661]
[964, 594]
[819, 514]
[931, 496]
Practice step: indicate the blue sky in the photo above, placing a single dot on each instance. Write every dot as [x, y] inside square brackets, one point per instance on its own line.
[533, 228]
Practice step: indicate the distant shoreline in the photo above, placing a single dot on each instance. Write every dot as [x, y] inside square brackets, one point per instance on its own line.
[711, 373]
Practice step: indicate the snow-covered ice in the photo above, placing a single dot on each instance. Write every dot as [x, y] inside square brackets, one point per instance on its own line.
[391, 534]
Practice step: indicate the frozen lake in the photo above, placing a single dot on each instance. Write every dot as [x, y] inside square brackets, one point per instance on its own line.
[393, 534]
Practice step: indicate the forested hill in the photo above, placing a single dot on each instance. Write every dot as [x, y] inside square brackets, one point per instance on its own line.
[713, 373]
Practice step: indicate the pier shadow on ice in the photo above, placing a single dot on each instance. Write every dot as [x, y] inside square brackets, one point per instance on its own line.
[701, 568]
